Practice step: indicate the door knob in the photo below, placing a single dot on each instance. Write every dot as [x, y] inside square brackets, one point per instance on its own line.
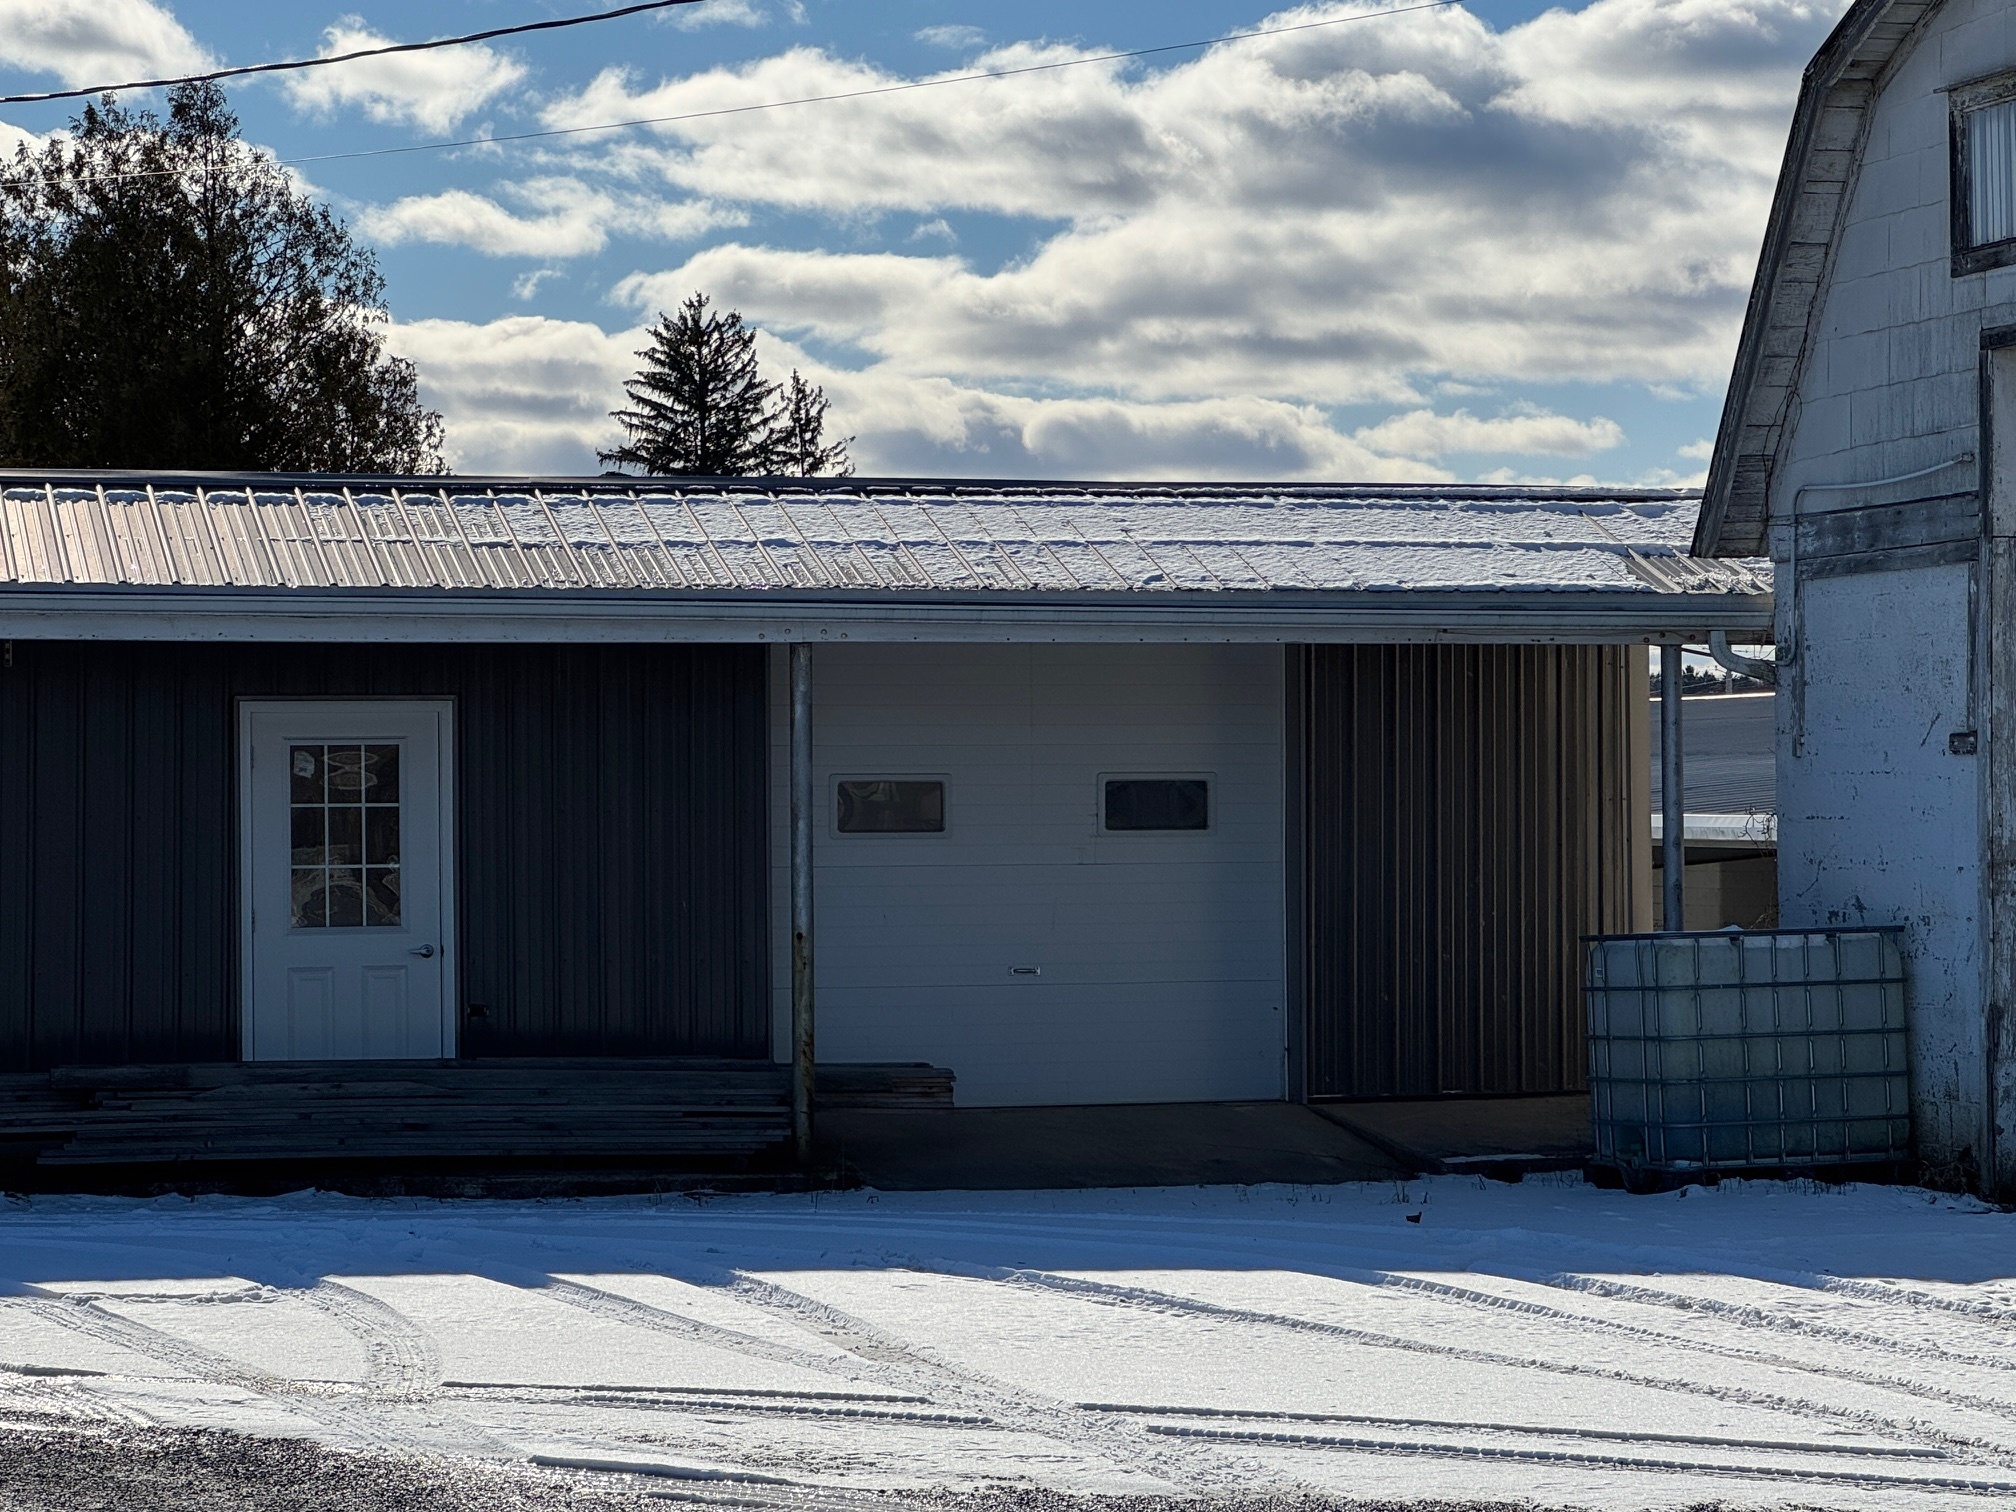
[425, 952]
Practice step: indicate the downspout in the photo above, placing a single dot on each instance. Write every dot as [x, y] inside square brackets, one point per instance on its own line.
[1728, 657]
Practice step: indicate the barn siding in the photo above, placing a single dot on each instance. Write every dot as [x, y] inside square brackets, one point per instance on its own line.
[610, 822]
[1467, 815]
[1888, 652]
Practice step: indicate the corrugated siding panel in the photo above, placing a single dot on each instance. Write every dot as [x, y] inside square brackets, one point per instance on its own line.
[1467, 820]
[612, 831]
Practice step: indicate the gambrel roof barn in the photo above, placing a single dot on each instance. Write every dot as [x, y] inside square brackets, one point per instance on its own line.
[1865, 444]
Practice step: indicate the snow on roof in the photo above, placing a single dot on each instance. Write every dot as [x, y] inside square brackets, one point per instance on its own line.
[893, 536]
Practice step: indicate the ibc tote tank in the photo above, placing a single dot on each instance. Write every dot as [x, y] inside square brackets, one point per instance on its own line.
[1764, 1049]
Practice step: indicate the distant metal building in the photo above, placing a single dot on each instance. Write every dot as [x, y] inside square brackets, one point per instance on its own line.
[1731, 804]
[1108, 793]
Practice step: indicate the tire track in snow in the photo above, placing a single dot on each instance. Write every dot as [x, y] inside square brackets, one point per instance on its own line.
[1432, 1450]
[1156, 1301]
[401, 1362]
[871, 1354]
[1128, 1444]
[629, 1312]
[1760, 1315]
[1476, 1298]
[1980, 1310]
[356, 1422]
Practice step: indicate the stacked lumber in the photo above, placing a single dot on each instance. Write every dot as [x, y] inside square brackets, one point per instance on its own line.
[684, 1109]
[919, 1087]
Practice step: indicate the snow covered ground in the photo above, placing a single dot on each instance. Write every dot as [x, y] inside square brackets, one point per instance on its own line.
[1758, 1344]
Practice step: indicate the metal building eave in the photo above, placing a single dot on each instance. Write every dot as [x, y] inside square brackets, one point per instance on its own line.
[1495, 616]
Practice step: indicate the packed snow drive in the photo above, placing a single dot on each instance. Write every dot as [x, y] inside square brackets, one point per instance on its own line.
[1758, 1344]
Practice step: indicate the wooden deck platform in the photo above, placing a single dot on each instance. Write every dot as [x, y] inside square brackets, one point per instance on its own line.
[679, 1110]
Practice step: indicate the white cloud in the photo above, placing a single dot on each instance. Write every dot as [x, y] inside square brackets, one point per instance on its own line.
[1423, 433]
[1538, 480]
[567, 219]
[959, 38]
[13, 138]
[86, 42]
[526, 285]
[436, 91]
[1341, 215]
[931, 426]
[718, 13]
[1228, 250]
[1698, 451]
[523, 394]
[529, 394]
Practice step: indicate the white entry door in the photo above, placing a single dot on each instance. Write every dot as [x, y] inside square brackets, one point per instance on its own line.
[346, 873]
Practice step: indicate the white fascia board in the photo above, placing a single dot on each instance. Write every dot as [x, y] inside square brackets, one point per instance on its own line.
[1492, 617]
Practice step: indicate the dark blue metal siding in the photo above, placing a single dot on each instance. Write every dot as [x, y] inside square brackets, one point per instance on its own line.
[611, 830]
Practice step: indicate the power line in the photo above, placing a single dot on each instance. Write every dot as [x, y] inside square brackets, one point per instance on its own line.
[880, 89]
[349, 57]
[845, 94]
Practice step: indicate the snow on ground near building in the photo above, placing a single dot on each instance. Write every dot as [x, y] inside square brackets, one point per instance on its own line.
[1760, 1343]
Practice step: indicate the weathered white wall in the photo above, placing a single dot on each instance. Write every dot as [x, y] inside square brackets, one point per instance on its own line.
[1891, 382]
[1161, 954]
[1878, 823]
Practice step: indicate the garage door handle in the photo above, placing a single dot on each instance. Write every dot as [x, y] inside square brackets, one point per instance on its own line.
[425, 952]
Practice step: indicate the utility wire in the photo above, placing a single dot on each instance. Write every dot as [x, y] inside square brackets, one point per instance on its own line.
[879, 89]
[349, 57]
[845, 94]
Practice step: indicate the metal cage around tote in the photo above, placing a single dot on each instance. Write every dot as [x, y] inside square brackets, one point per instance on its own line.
[1756, 1049]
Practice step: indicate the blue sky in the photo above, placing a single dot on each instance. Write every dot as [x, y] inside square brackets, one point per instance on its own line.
[1484, 242]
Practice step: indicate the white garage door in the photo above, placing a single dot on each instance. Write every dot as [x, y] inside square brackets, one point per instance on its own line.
[1055, 869]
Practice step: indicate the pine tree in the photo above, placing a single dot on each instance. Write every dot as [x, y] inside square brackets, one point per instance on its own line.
[700, 407]
[169, 298]
[798, 442]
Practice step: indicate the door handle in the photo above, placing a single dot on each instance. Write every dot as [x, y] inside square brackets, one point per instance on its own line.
[425, 952]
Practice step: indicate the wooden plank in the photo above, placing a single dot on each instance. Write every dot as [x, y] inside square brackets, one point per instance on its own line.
[1891, 527]
[574, 1107]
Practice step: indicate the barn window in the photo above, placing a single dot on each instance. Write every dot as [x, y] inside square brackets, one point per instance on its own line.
[1984, 176]
[891, 806]
[1157, 803]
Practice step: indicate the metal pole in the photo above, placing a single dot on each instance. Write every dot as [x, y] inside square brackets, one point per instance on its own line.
[1672, 788]
[801, 901]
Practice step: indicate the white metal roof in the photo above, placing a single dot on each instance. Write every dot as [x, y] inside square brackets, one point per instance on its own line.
[543, 545]
[868, 535]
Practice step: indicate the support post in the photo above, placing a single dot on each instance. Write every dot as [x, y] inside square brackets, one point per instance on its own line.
[1672, 788]
[802, 807]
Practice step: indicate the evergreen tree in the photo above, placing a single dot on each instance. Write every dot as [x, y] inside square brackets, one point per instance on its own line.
[798, 439]
[699, 406]
[170, 299]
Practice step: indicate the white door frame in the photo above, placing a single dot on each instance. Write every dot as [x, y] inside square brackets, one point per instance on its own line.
[444, 712]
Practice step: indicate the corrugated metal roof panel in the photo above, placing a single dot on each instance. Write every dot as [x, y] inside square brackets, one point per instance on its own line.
[848, 535]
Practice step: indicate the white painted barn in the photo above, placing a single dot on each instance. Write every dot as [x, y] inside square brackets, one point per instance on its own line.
[1867, 446]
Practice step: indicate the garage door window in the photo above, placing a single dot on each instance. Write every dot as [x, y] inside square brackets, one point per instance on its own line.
[891, 806]
[1157, 803]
